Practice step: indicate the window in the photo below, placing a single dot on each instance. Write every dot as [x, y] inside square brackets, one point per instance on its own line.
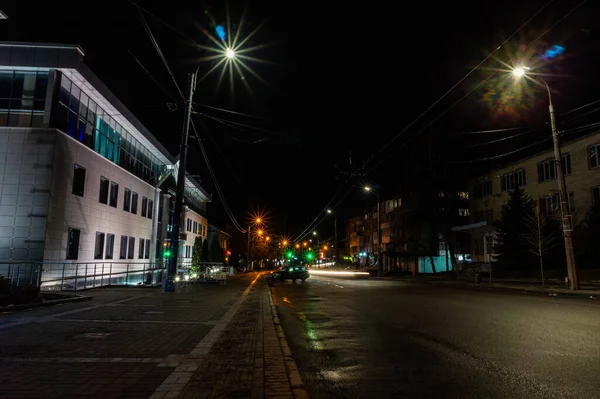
[150, 208]
[144, 206]
[593, 155]
[123, 250]
[483, 189]
[110, 246]
[596, 195]
[22, 98]
[73, 243]
[188, 251]
[103, 198]
[134, 202]
[547, 168]
[114, 194]
[127, 200]
[131, 248]
[147, 253]
[78, 180]
[512, 180]
[141, 248]
[99, 247]
[550, 205]
[78, 116]
[464, 212]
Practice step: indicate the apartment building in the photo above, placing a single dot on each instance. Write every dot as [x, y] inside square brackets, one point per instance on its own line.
[81, 179]
[408, 244]
[537, 176]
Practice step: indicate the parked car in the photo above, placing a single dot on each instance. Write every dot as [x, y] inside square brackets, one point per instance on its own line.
[289, 273]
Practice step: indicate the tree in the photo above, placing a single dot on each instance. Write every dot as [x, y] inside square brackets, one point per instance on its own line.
[512, 248]
[216, 252]
[205, 251]
[587, 238]
[542, 236]
[197, 254]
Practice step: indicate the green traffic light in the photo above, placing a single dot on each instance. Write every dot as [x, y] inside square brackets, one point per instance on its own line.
[309, 256]
[289, 255]
[167, 254]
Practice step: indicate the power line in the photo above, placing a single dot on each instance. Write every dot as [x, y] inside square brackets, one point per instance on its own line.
[353, 174]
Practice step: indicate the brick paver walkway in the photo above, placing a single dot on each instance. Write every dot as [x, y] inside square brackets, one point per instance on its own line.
[206, 341]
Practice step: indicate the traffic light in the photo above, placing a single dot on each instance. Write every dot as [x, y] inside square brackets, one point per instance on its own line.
[289, 254]
[167, 253]
[309, 256]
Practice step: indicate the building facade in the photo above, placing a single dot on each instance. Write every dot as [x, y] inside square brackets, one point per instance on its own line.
[408, 244]
[538, 177]
[81, 179]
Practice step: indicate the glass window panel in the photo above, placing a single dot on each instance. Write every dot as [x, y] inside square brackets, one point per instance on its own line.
[91, 116]
[83, 105]
[41, 86]
[65, 90]
[6, 80]
[37, 119]
[17, 87]
[71, 124]
[80, 133]
[39, 105]
[19, 118]
[75, 93]
[88, 138]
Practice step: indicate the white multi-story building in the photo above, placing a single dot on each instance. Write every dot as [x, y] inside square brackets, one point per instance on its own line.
[81, 179]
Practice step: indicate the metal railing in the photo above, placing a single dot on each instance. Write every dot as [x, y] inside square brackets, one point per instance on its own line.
[73, 276]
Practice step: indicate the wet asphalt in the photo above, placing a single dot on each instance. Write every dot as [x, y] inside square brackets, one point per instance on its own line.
[384, 339]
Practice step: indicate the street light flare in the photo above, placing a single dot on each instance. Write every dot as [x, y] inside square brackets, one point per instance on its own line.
[229, 53]
[519, 71]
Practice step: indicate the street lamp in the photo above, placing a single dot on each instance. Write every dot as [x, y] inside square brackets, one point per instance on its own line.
[256, 221]
[379, 263]
[168, 282]
[335, 237]
[562, 188]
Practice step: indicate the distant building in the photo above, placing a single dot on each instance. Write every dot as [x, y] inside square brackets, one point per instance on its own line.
[81, 179]
[538, 178]
[408, 244]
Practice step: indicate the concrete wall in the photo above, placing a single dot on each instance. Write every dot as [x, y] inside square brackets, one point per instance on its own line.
[26, 158]
[86, 213]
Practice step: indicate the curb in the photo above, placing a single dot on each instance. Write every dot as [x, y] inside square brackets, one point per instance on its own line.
[508, 288]
[24, 306]
[290, 364]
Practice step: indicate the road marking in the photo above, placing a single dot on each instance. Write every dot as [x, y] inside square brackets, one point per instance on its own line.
[185, 368]
[122, 321]
[25, 320]
[82, 360]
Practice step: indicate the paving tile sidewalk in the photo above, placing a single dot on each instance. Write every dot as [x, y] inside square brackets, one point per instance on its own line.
[249, 359]
[124, 344]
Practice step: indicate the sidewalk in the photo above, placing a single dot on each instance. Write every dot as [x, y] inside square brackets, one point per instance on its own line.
[588, 290]
[204, 341]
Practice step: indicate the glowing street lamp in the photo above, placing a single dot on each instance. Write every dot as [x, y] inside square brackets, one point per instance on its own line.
[260, 232]
[285, 243]
[229, 53]
[521, 72]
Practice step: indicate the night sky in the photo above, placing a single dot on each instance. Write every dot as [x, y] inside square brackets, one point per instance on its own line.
[338, 79]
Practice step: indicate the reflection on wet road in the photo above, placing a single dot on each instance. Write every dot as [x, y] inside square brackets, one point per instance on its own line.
[382, 339]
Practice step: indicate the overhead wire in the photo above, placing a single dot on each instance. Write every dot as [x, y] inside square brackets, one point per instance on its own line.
[203, 150]
[353, 174]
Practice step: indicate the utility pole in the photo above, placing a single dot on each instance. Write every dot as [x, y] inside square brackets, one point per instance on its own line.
[335, 238]
[564, 206]
[248, 253]
[379, 256]
[168, 282]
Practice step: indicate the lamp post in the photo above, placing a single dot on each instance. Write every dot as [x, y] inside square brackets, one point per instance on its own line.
[168, 282]
[562, 188]
[255, 222]
[335, 236]
[379, 260]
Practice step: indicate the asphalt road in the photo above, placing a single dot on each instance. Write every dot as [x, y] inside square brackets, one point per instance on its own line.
[384, 339]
